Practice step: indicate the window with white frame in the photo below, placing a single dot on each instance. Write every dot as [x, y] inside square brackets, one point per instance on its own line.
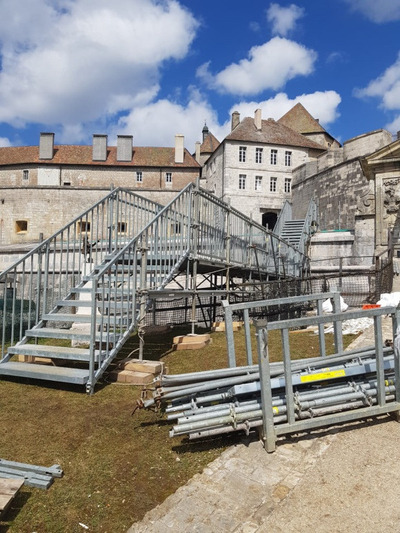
[257, 183]
[139, 176]
[25, 175]
[242, 181]
[272, 184]
[242, 154]
[168, 177]
[259, 152]
[288, 184]
[274, 157]
[288, 158]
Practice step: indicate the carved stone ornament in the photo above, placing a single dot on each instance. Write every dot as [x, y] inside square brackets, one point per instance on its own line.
[366, 204]
[391, 201]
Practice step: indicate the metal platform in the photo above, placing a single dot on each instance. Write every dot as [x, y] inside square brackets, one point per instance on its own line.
[93, 281]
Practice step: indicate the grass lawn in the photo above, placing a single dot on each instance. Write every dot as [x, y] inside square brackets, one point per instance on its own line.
[116, 466]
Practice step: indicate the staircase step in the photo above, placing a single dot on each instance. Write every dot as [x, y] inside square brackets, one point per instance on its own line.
[68, 334]
[52, 352]
[67, 317]
[49, 373]
[74, 303]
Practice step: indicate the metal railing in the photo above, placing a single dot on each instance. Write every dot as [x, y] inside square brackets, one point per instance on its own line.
[31, 287]
[195, 226]
[284, 215]
[244, 310]
[354, 402]
[123, 247]
[291, 395]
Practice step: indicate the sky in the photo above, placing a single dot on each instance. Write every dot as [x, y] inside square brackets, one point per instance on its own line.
[156, 68]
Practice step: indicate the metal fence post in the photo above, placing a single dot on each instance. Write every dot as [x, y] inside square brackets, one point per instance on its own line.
[269, 436]
[337, 325]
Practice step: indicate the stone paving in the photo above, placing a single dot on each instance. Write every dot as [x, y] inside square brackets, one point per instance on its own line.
[245, 489]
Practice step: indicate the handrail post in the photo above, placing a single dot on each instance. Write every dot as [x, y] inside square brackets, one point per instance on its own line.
[92, 351]
[142, 291]
[269, 435]
[195, 224]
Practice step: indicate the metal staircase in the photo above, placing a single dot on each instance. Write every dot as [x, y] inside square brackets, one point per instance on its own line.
[77, 297]
[297, 233]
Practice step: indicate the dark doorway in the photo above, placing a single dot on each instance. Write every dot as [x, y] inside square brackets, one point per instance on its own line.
[268, 220]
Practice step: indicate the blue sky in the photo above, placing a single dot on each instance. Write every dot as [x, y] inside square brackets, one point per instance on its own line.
[154, 68]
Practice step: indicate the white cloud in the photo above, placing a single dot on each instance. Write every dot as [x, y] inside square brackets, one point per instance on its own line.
[321, 105]
[70, 62]
[386, 87]
[394, 126]
[269, 66]
[284, 19]
[5, 142]
[156, 123]
[377, 11]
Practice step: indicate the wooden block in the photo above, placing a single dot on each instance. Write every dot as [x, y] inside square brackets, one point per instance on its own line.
[8, 489]
[220, 326]
[138, 365]
[129, 376]
[188, 339]
[191, 345]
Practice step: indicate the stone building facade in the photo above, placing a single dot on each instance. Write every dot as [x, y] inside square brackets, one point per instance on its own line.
[252, 167]
[345, 196]
[43, 187]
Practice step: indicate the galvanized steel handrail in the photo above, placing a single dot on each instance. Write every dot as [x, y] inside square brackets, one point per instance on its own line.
[284, 216]
[245, 308]
[33, 285]
[126, 245]
[293, 423]
[119, 300]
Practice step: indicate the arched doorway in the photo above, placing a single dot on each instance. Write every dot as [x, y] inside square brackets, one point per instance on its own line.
[268, 220]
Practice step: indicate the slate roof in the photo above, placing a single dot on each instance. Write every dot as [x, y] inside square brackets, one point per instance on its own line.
[300, 120]
[83, 156]
[209, 145]
[271, 132]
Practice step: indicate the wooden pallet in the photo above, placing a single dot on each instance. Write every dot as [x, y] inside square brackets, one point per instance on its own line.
[8, 489]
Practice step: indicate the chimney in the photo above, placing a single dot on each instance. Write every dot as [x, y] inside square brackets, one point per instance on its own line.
[197, 151]
[179, 140]
[99, 147]
[124, 147]
[257, 119]
[46, 147]
[235, 120]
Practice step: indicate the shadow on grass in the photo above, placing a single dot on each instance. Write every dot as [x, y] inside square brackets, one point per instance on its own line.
[16, 506]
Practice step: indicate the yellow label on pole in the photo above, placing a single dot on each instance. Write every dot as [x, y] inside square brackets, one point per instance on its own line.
[323, 375]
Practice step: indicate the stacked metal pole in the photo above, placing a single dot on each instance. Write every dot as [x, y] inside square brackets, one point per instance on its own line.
[228, 400]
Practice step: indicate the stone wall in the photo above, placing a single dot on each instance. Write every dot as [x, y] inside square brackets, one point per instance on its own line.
[337, 191]
[97, 177]
[27, 212]
[336, 181]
